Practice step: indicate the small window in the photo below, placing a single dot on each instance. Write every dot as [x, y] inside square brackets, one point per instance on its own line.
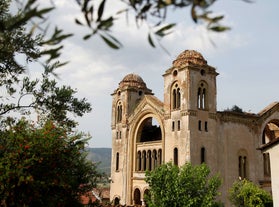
[200, 125]
[116, 135]
[140, 93]
[178, 125]
[120, 135]
[173, 126]
[205, 126]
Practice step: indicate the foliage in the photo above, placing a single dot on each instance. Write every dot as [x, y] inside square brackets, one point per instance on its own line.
[235, 108]
[43, 166]
[185, 186]
[98, 18]
[246, 194]
[21, 93]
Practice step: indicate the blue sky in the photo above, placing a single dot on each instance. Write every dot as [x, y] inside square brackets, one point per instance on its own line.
[246, 58]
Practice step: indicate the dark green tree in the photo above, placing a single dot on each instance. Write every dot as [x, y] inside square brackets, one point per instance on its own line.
[43, 166]
[41, 163]
[246, 194]
[188, 185]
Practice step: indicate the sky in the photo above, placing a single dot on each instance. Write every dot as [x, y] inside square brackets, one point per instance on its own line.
[246, 58]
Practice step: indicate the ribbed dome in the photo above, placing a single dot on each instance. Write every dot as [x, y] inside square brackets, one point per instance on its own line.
[133, 80]
[189, 57]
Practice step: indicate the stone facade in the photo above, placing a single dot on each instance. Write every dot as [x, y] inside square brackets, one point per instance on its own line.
[184, 127]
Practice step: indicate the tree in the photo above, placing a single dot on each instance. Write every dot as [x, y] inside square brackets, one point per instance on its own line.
[170, 185]
[246, 194]
[43, 166]
[20, 92]
[41, 163]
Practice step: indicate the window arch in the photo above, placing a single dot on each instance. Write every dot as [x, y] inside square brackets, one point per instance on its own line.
[242, 164]
[176, 97]
[119, 112]
[137, 197]
[202, 96]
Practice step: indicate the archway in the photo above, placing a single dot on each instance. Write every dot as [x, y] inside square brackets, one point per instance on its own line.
[137, 199]
[149, 130]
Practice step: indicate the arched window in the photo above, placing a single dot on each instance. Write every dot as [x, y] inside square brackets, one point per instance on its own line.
[137, 199]
[154, 159]
[176, 97]
[119, 112]
[202, 155]
[139, 161]
[242, 167]
[117, 162]
[175, 156]
[143, 162]
[116, 201]
[243, 164]
[149, 160]
[202, 96]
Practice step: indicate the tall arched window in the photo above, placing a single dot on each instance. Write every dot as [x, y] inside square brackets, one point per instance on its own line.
[119, 112]
[202, 96]
[139, 161]
[137, 199]
[202, 155]
[117, 162]
[176, 97]
[242, 164]
[175, 156]
[143, 162]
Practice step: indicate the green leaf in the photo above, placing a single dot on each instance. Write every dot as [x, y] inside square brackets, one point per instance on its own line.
[219, 28]
[162, 32]
[101, 10]
[109, 42]
[150, 40]
[86, 37]
[78, 22]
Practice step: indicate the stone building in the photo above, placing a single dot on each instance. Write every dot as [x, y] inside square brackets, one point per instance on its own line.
[184, 127]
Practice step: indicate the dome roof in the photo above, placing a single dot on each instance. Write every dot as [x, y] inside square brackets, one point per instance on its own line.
[189, 57]
[133, 80]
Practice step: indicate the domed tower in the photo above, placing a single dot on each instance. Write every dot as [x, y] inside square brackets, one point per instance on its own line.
[190, 109]
[124, 100]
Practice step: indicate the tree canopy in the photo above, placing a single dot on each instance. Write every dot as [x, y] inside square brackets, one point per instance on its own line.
[42, 157]
[246, 194]
[170, 185]
[43, 166]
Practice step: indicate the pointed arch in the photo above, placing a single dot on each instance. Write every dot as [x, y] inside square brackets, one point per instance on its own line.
[119, 111]
[202, 95]
[176, 96]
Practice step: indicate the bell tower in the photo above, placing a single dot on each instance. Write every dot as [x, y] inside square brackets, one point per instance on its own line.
[125, 98]
[190, 108]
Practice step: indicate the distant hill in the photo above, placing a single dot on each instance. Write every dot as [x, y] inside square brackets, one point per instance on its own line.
[101, 155]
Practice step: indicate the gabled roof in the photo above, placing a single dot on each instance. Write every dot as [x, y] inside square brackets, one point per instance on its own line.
[152, 101]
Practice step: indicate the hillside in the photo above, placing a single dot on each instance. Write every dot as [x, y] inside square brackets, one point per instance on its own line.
[102, 156]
